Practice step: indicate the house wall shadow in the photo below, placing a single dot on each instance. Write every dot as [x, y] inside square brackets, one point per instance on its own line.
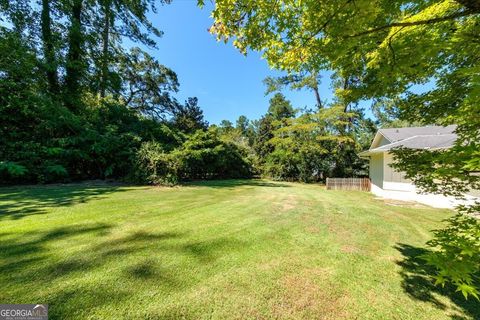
[417, 282]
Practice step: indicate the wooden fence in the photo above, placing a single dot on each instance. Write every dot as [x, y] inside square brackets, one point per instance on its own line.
[361, 184]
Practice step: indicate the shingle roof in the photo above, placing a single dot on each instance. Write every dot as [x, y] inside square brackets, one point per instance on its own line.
[433, 137]
[422, 142]
[397, 134]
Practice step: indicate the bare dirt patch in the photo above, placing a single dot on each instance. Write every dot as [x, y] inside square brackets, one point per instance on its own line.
[289, 203]
[336, 229]
[312, 229]
[349, 249]
[309, 294]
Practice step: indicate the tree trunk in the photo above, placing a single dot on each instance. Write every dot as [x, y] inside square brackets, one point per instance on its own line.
[317, 93]
[346, 85]
[48, 48]
[105, 51]
[74, 65]
[317, 97]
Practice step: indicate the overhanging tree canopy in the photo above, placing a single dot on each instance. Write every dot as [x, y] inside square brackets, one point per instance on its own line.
[383, 48]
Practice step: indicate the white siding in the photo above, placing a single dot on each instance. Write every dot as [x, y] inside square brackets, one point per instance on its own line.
[391, 184]
[390, 174]
[376, 169]
[379, 141]
[383, 141]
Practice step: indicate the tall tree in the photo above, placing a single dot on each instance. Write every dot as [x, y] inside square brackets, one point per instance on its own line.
[114, 21]
[75, 64]
[242, 124]
[296, 81]
[107, 22]
[262, 144]
[226, 126]
[50, 63]
[280, 107]
[189, 117]
[146, 84]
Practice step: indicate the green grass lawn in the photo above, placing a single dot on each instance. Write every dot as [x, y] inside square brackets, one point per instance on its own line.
[221, 250]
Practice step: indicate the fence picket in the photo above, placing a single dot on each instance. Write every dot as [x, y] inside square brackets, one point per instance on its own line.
[361, 184]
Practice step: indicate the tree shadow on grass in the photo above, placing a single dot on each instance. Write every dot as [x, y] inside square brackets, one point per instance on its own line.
[232, 183]
[122, 264]
[24, 251]
[418, 283]
[80, 302]
[19, 202]
[207, 252]
[31, 263]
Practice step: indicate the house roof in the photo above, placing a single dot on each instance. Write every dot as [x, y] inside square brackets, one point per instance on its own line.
[431, 137]
[397, 134]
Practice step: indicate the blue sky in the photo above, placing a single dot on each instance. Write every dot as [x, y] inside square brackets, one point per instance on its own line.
[226, 83]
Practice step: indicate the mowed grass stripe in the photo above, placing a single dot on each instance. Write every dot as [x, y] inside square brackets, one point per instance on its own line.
[219, 250]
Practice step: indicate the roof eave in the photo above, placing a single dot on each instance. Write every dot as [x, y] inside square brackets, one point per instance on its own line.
[368, 153]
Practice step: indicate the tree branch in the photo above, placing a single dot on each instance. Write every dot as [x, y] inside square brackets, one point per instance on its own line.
[415, 23]
[327, 22]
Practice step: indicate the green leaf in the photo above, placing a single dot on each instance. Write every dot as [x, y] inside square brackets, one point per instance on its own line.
[467, 290]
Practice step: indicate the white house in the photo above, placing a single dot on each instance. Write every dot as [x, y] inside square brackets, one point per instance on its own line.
[389, 183]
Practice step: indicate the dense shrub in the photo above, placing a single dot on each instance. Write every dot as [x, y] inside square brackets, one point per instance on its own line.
[205, 156]
[58, 146]
[11, 171]
[154, 166]
[296, 165]
[202, 156]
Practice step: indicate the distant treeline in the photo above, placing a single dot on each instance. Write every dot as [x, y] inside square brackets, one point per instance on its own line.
[76, 104]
